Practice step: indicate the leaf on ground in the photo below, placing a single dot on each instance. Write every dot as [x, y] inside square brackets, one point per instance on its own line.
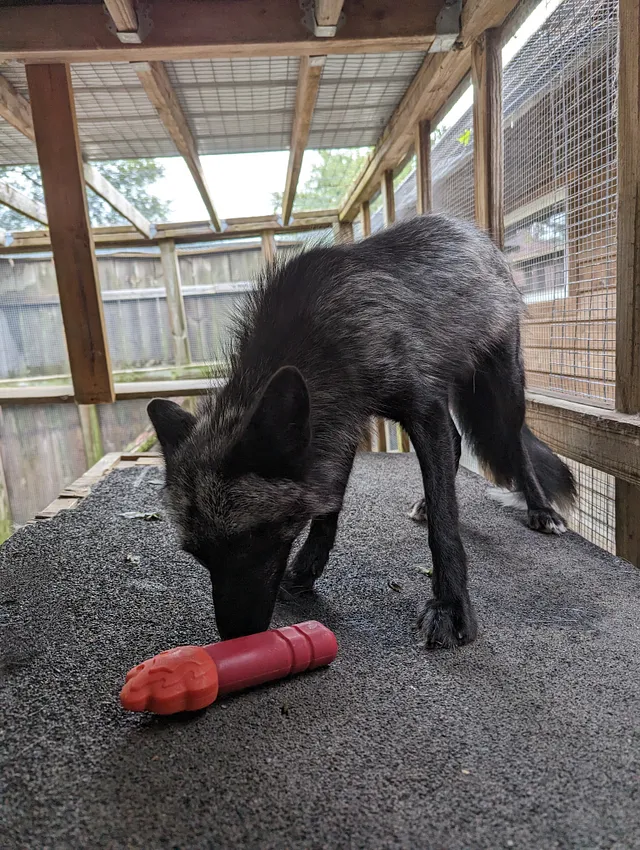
[424, 570]
[148, 517]
[132, 559]
[392, 584]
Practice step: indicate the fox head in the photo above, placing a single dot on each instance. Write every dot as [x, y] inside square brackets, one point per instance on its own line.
[238, 493]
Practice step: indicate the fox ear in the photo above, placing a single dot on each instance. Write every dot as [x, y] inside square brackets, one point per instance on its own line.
[276, 438]
[172, 424]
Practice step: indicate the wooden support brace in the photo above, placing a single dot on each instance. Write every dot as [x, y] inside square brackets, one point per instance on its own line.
[91, 433]
[486, 71]
[269, 248]
[175, 302]
[54, 120]
[365, 219]
[23, 204]
[628, 263]
[309, 75]
[6, 523]
[388, 198]
[423, 167]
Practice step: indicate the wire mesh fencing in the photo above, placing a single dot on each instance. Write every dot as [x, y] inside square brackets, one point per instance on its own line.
[560, 196]
[452, 160]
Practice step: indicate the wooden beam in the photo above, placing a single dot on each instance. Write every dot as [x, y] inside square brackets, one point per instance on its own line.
[309, 75]
[183, 232]
[15, 109]
[365, 219]
[423, 167]
[343, 232]
[328, 12]
[6, 521]
[117, 200]
[628, 521]
[388, 198]
[91, 433]
[269, 249]
[63, 394]
[58, 147]
[481, 15]
[192, 29]
[628, 264]
[175, 302]
[156, 83]
[486, 70]
[123, 14]
[604, 439]
[23, 204]
[381, 435]
[628, 242]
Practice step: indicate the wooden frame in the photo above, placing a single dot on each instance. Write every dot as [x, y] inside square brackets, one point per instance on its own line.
[423, 167]
[156, 83]
[182, 233]
[191, 29]
[486, 71]
[58, 147]
[269, 248]
[628, 267]
[309, 76]
[175, 302]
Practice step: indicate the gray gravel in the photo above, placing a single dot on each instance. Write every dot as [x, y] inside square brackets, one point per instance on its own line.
[529, 738]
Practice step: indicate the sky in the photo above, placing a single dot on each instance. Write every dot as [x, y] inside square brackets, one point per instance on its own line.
[242, 184]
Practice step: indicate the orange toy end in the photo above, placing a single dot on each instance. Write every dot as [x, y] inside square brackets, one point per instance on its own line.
[181, 679]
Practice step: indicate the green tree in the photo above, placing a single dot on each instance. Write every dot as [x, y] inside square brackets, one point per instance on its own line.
[132, 177]
[328, 182]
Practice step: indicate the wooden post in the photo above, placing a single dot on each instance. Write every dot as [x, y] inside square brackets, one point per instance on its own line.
[389, 215]
[6, 523]
[343, 232]
[91, 434]
[486, 71]
[628, 264]
[269, 249]
[365, 219]
[388, 198]
[61, 168]
[423, 167]
[175, 302]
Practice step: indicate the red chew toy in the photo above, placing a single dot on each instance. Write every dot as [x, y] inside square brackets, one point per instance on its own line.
[191, 677]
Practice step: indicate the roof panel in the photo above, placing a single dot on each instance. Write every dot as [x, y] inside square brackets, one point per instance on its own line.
[232, 105]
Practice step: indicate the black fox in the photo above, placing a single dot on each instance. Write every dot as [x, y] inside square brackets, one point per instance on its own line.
[410, 324]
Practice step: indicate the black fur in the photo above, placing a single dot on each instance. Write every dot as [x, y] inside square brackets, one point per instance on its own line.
[416, 320]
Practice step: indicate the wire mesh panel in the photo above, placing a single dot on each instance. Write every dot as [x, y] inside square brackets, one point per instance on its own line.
[560, 196]
[32, 342]
[594, 514]
[452, 161]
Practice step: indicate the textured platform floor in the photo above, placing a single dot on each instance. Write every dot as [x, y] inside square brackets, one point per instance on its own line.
[529, 738]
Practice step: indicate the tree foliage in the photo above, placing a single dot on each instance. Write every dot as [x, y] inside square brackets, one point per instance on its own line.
[328, 182]
[132, 177]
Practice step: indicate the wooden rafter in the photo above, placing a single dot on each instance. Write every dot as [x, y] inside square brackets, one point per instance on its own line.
[16, 110]
[22, 203]
[423, 167]
[156, 83]
[306, 94]
[54, 120]
[123, 13]
[192, 29]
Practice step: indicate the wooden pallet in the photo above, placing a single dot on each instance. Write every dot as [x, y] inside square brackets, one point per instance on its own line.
[73, 493]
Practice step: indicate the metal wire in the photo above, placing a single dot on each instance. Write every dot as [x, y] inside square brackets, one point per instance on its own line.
[560, 196]
[452, 166]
